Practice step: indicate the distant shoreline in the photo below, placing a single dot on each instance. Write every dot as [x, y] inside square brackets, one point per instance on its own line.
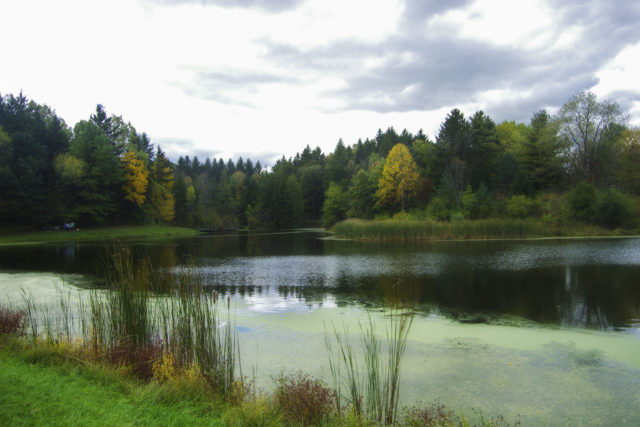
[392, 230]
[93, 234]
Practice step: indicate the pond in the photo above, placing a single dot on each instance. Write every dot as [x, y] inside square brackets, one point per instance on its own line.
[545, 329]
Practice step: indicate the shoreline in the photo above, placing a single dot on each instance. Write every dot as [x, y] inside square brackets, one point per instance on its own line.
[20, 238]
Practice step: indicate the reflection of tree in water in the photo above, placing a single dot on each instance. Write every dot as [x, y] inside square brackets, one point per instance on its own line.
[598, 297]
[601, 296]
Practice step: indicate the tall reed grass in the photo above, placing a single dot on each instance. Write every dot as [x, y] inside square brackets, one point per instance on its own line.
[425, 230]
[373, 387]
[141, 316]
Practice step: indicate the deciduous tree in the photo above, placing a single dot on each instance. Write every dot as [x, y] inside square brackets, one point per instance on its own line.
[400, 178]
[588, 128]
[136, 178]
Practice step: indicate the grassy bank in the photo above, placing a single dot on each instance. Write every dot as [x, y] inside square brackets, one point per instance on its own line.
[430, 230]
[94, 234]
[42, 386]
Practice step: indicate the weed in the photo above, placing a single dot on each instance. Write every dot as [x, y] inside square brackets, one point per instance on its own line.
[12, 322]
[436, 414]
[303, 399]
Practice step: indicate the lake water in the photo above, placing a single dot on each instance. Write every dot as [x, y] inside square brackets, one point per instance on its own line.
[545, 329]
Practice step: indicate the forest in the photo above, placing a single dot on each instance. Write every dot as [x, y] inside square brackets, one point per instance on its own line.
[579, 164]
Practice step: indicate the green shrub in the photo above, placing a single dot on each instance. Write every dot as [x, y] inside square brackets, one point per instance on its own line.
[438, 209]
[519, 206]
[335, 206]
[582, 202]
[614, 209]
[478, 205]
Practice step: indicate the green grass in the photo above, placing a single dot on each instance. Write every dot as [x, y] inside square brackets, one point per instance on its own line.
[493, 228]
[94, 234]
[41, 389]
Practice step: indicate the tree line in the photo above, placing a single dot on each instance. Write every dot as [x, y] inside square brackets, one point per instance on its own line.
[581, 161]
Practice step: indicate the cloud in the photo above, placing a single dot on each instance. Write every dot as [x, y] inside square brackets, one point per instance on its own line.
[236, 87]
[430, 64]
[273, 6]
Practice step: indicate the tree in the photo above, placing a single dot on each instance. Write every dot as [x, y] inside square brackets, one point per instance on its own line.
[540, 152]
[32, 137]
[452, 150]
[311, 180]
[162, 197]
[96, 196]
[400, 178]
[361, 195]
[112, 128]
[484, 151]
[586, 126]
[135, 178]
[628, 173]
[335, 205]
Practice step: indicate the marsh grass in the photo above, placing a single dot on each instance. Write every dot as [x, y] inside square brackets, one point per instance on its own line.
[425, 230]
[140, 316]
[373, 387]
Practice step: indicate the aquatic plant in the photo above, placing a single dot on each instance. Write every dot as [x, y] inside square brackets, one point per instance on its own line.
[142, 315]
[425, 230]
[373, 387]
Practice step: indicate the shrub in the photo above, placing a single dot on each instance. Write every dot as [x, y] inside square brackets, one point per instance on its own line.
[478, 205]
[12, 321]
[438, 209]
[519, 206]
[582, 202]
[614, 209]
[435, 414]
[303, 399]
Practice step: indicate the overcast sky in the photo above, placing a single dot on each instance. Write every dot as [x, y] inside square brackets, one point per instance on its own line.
[263, 78]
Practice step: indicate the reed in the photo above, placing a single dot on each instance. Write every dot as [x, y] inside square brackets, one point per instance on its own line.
[426, 230]
[373, 386]
[142, 315]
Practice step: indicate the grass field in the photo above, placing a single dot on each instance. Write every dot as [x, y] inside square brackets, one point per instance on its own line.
[93, 234]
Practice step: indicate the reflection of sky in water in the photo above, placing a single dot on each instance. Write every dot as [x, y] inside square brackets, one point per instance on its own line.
[271, 303]
[324, 270]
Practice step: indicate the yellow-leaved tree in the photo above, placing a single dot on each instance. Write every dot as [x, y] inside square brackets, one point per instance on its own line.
[136, 178]
[162, 197]
[400, 178]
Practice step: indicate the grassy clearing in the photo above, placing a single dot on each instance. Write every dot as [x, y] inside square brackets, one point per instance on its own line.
[407, 230]
[93, 234]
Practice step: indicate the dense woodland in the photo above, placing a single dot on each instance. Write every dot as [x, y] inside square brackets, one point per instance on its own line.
[580, 164]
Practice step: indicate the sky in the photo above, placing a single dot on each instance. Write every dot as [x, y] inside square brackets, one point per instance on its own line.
[264, 78]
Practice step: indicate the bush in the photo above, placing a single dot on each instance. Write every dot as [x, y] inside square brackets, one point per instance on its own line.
[303, 399]
[12, 321]
[435, 414]
[614, 209]
[478, 205]
[582, 202]
[519, 206]
[438, 209]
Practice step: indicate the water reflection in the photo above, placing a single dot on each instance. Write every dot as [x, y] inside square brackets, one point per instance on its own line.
[584, 283]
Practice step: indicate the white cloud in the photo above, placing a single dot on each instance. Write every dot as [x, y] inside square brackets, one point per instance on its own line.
[204, 74]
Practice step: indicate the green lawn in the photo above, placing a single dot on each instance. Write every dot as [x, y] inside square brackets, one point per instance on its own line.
[91, 234]
[41, 392]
